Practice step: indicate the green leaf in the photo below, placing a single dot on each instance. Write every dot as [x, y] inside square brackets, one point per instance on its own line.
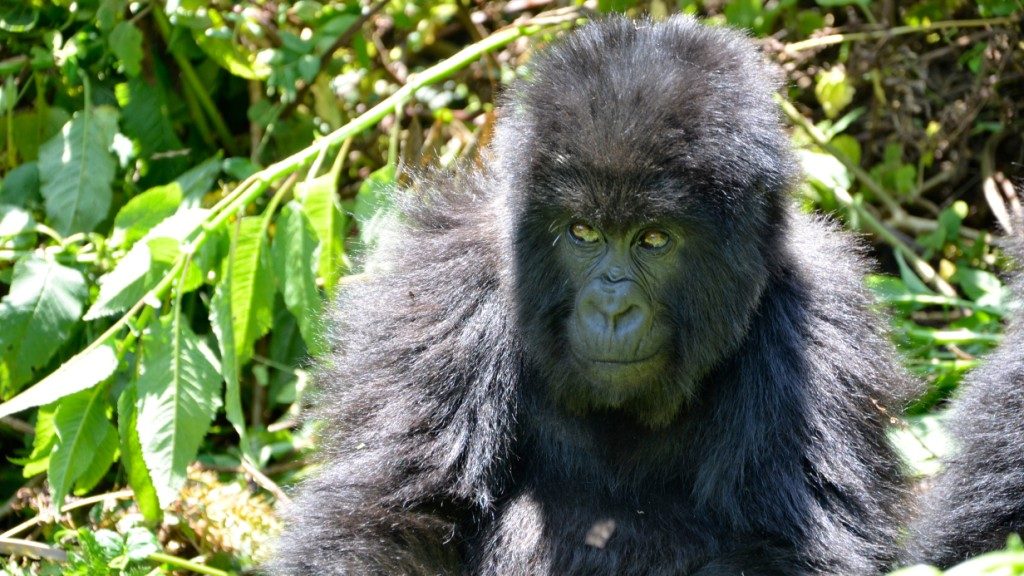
[140, 543]
[319, 202]
[146, 264]
[38, 314]
[126, 43]
[76, 170]
[131, 456]
[20, 186]
[84, 370]
[82, 427]
[103, 456]
[30, 129]
[142, 213]
[199, 180]
[146, 119]
[178, 397]
[294, 262]
[833, 90]
[247, 284]
[43, 442]
[981, 286]
[224, 51]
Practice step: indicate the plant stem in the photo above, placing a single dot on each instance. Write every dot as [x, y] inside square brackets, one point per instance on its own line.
[831, 39]
[162, 558]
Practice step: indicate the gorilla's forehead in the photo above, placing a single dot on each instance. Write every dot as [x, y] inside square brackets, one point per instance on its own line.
[652, 114]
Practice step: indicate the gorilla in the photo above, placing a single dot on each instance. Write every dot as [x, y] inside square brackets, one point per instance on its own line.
[616, 349]
[978, 499]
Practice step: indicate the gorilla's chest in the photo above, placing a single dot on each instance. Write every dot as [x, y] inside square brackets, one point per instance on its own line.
[567, 534]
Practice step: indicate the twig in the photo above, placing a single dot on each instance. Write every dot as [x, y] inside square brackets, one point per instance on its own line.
[40, 518]
[265, 482]
[831, 39]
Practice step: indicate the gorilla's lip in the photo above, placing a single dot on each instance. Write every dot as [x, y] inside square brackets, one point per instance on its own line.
[620, 361]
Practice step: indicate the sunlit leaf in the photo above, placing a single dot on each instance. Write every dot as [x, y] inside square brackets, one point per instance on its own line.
[293, 256]
[76, 170]
[37, 316]
[82, 430]
[178, 395]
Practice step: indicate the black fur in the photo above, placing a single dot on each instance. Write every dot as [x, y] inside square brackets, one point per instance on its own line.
[450, 443]
[978, 499]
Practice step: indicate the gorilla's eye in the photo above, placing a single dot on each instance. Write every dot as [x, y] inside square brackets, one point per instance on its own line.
[584, 233]
[653, 239]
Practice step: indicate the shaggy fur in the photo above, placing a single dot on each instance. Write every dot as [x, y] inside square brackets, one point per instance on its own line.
[451, 444]
[978, 499]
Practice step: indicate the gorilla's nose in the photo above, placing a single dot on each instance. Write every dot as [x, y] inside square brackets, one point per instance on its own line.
[614, 311]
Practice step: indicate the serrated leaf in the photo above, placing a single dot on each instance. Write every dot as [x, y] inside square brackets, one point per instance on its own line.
[103, 456]
[125, 42]
[146, 119]
[76, 170]
[294, 261]
[82, 426]
[178, 393]
[142, 213]
[319, 202]
[37, 315]
[84, 370]
[223, 328]
[248, 284]
[131, 456]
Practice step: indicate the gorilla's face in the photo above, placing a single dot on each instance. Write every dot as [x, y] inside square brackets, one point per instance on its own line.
[626, 308]
[617, 334]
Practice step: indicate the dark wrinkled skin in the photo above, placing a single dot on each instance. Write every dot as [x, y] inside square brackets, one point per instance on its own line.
[978, 499]
[469, 425]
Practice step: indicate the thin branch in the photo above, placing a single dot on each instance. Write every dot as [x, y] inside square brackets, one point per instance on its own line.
[832, 39]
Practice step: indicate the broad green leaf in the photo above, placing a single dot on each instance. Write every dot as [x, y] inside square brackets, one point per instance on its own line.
[76, 170]
[142, 213]
[248, 285]
[82, 427]
[84, 370]
[131, 456]
[319, 201]
[294, 261]
[178, 396]
[20, 187]
[38, 314]
[126, 43]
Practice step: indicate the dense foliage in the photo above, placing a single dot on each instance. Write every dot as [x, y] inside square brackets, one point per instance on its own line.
[184, 185]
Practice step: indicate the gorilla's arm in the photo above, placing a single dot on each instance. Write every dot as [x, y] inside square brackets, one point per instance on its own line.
[416, 400]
